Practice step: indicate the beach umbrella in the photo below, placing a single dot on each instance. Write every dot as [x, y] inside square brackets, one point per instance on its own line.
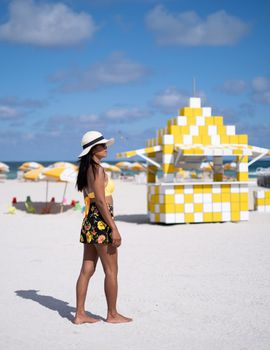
[30, 165]
[4, 168]
[61, 174]
[34, 174]
[105, 165]
[137, 167]
[63, 165]
[206, 166]
[230, 166]
[114, 168]
[123, 165]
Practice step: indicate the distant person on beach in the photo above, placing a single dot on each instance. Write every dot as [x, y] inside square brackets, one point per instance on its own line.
[99, 233]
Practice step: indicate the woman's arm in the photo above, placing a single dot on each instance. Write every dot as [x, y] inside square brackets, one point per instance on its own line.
[98, 185]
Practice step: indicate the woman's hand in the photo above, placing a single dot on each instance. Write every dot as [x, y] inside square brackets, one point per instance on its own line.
[116, 238]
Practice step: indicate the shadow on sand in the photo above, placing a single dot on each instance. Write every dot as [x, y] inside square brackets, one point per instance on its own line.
[133, 218]
[60, 306]
[41, 207]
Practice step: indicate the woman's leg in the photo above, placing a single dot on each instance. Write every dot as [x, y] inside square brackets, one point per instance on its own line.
[90, 258]
[108, 257]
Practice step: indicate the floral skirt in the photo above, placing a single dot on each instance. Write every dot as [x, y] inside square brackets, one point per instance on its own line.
[94, 228]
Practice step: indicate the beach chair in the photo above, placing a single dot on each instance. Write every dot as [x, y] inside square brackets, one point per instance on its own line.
[29, 206]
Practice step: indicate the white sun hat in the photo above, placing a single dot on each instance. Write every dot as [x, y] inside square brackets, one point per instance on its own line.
[91, 139]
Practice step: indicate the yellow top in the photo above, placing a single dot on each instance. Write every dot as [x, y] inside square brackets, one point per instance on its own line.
[109, 189]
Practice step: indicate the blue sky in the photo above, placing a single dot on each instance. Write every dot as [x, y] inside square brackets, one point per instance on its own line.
[124, 67]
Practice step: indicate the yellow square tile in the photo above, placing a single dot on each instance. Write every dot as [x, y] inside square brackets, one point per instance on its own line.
[179, 189]
[197, 140]
[235, 215]
[209, 121]
[167, 149]
[225, 188]
[218, 120]
[203, 130]
[167, 208]
[207, 217]
[224, 139]
[189, 217]
[225, 197]
[216, 197]
[242, 176]
[184, 130]
[207, 188]
[190, 112]
[233, 139]
[244, 206]
[169, 198]
[259, 201]
[235, 206]
[157, 217]
[206, 140]
[198, 188]
[243, 197]
[243, 139]
[179, 208]
[198, 207]
[188, 198]
[235, 197]
[217, 217]
[168, 168]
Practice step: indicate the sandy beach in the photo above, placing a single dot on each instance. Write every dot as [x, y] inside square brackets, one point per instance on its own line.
[190, 286]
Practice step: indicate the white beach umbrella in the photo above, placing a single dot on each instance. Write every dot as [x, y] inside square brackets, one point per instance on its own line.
[29, 166]
[4, 168]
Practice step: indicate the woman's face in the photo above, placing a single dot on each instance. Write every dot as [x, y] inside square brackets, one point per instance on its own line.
[100, 151]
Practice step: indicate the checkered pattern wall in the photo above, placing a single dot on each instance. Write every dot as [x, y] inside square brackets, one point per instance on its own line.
[187, 203]
[196, 127]
[262, 200]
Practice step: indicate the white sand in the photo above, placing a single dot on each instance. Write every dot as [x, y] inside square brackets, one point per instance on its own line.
[197, 286]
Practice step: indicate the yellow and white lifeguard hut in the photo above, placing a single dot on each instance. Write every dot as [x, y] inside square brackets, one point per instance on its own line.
[185, 143]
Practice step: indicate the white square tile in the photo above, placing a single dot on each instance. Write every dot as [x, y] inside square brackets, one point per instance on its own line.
[207, 111]
[189, 208]
[207, 207]
[226, 216]
[198, 198]
[207, 197]
[244, 215]
[179, 218]
[179, 198]
[181, 120]
[216, 207]
[168, 139]
[188, 189]
[226, 206]
[198, 217]
[195, 102]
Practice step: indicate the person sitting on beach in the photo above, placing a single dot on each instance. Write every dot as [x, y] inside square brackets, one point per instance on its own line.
[99, 233]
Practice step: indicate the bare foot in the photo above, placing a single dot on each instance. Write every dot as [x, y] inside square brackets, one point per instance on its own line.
[117, 318]
[83, 318]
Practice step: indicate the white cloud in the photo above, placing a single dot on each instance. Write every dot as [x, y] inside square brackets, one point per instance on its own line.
[122, 114]
[234, 87]
[171, 99]
[188, 29]
[116, 70]
[7, 112]
[261, 90]
[46, 24]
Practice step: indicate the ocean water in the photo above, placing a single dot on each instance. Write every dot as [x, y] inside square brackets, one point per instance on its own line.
[13, 166]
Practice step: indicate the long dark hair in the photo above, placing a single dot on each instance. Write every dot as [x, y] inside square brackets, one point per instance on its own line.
[84, 163]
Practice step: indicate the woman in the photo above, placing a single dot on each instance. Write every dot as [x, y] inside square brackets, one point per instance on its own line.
[99, 233]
